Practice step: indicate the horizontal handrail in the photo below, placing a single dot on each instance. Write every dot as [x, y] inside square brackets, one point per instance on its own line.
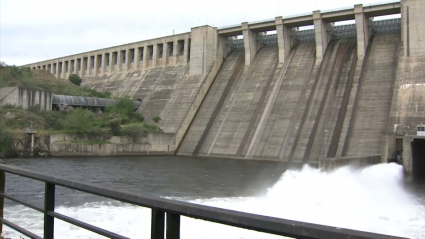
[229, 26]
[262, 21]
[86, 226]
[22, 202]
[250, 221]
[19, 229]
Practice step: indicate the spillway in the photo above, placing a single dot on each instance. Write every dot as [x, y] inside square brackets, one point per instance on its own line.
[300, 110]
[375, 99]
[234, 107]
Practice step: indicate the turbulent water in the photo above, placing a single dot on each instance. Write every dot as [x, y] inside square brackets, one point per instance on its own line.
[374, 199]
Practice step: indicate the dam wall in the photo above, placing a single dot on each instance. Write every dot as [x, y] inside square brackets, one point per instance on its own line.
[325, 100]
[334, 91]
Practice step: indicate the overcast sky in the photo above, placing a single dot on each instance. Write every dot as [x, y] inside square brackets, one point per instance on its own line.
[36, 30]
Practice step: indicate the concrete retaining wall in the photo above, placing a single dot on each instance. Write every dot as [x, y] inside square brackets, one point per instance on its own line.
[152, 143]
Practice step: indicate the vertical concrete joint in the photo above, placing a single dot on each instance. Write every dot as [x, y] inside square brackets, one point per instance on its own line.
[103, 66]
[119, 60]
[75, 71]
[155, 54]
[57, 70]
[175, 52]
[63, 73]
[111, 61]
[136, 57]
[186, 50]
[164, 53]
[127, 59]
[96, 65]
[89, 69]
[145, 53]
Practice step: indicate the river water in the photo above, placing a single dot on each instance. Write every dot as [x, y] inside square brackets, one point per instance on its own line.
[374, 199]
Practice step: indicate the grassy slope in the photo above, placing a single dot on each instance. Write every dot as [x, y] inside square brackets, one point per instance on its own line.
[43, 80]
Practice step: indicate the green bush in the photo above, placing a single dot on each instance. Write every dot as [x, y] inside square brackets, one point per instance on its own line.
[6, 141]
[125, 108]
[94, 93]
[75, 79]
[152, 128]
[53, 120]
[133, 131]
[156, 119]
[113, 121]
[81, 121]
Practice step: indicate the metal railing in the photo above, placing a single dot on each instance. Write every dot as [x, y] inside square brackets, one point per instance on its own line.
[381, 3]
[386, 26]
[161, 207]
[303, 36]
[343, 31]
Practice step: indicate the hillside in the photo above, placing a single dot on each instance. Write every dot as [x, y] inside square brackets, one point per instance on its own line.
[11, 76]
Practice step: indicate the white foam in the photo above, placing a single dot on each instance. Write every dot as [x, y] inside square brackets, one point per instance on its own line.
[407, 86]
[372, 199]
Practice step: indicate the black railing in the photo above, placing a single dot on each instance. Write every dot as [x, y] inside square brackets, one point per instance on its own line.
[161, 207]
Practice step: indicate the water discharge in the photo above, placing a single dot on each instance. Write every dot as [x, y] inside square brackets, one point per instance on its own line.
[372, 199]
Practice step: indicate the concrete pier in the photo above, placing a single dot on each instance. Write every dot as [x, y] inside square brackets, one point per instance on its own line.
[321, 32]
[362, 29]
[251, 44]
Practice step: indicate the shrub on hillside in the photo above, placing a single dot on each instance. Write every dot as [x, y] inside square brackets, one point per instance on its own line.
[81, 121]
[94, 93]
[125, 108]
[133, 131]
[53, 119]
[156, 119]
[113, 121]
[75, 79]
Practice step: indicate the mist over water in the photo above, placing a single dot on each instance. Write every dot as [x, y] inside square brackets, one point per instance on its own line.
[372, 199]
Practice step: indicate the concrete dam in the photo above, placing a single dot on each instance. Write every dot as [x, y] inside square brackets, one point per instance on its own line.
[271, 90]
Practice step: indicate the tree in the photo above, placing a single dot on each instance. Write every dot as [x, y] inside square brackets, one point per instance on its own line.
[80, 121]
[156, 119]
[75, 79]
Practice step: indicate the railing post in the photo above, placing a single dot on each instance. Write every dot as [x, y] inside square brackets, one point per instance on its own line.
[173, 226]
[49, 206]
[157, 224]
[2, 183]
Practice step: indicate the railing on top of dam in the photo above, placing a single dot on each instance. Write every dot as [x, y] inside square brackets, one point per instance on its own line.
[310, 13]
[161, 207]
[336, 32]
[381, 3]
[386, 26]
